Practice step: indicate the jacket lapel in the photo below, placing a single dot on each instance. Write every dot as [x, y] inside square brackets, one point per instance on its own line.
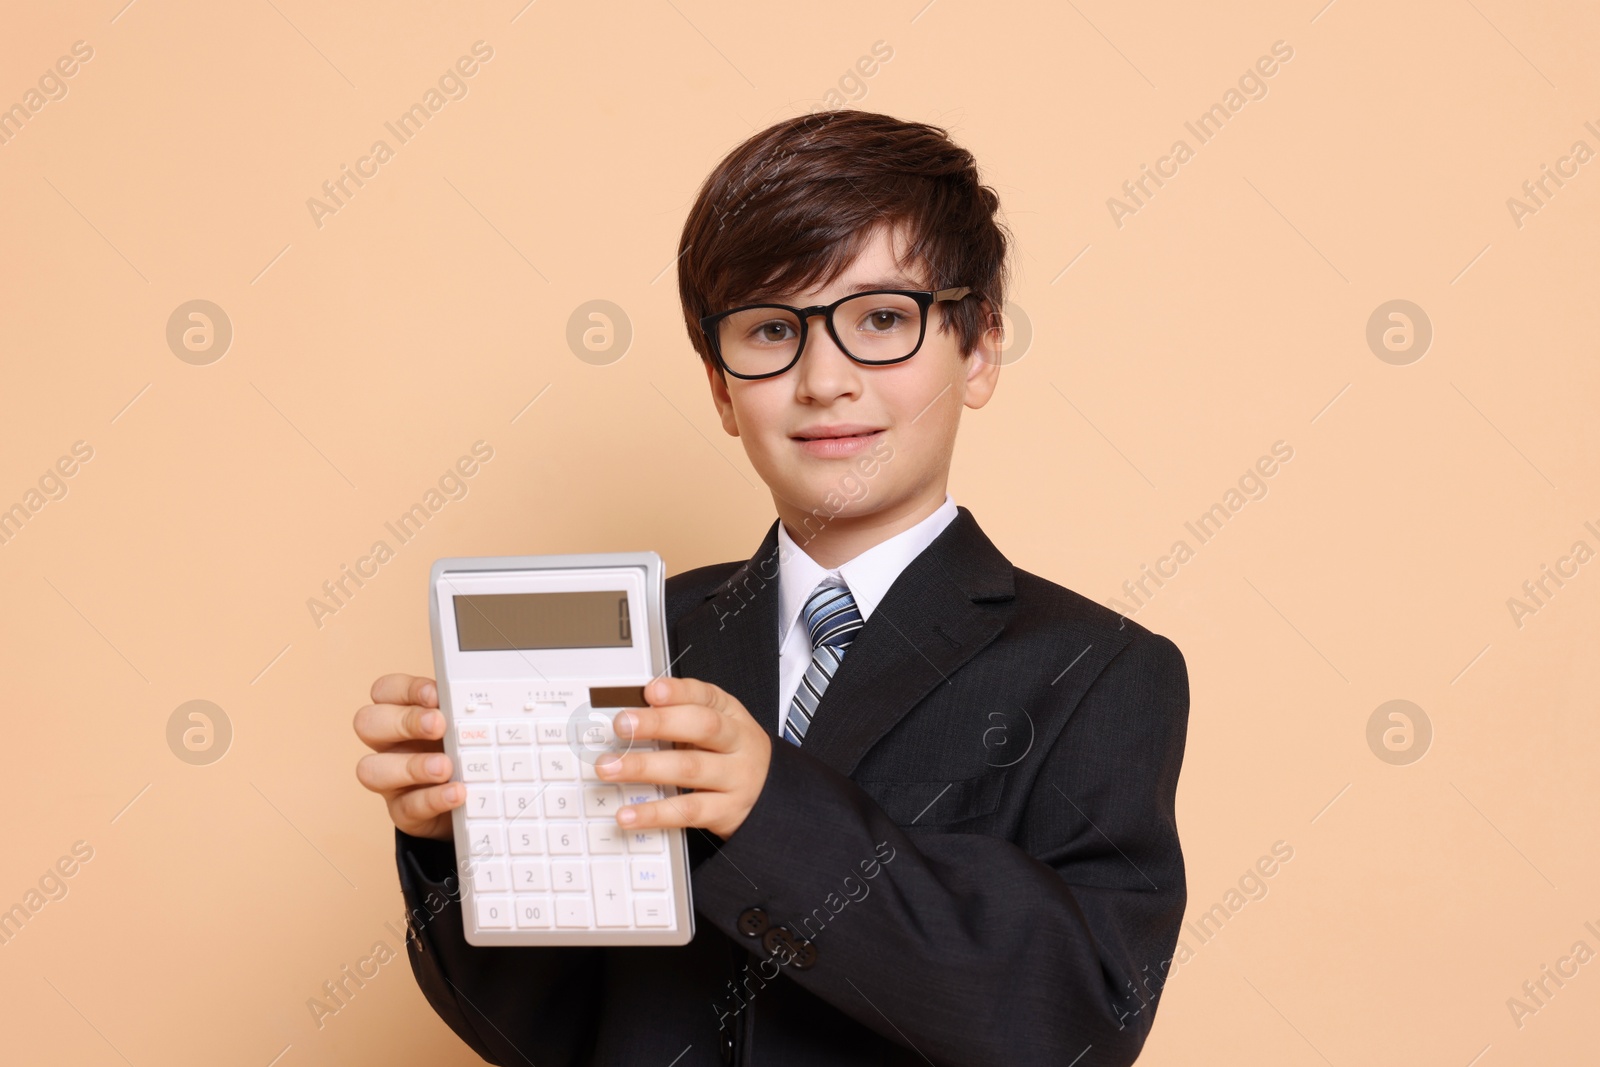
[731, 640]
[929, 623]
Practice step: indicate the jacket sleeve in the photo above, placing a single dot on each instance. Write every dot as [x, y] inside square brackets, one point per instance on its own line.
[1049, 948]
[513, 1006]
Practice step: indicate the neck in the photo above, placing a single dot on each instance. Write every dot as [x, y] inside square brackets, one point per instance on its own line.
[841, 538]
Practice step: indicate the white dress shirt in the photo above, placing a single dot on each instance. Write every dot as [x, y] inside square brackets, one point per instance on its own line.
[868, 576]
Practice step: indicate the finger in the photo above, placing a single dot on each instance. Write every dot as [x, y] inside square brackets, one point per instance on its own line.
[668, 690]
[386, 724]
[694, 724]
[691, 809]
[405, 689]
[691, 768]
[391, 772]
[421, 805]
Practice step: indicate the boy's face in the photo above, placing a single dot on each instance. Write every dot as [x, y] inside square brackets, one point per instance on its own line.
[902, 417]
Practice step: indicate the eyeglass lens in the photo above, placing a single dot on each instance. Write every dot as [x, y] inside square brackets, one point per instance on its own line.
[872, 327]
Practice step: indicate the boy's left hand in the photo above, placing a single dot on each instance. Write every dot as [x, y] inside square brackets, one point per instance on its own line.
[726, 768]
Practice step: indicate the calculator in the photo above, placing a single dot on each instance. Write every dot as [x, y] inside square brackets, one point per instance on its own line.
[534, 655]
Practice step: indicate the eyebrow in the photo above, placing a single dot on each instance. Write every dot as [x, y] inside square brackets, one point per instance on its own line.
[859, 287]
[883, 283]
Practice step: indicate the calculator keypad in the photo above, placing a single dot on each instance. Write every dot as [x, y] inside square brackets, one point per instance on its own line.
[545, 850]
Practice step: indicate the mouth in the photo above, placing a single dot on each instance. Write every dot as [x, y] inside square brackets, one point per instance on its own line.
[836, 442]
[833, 433]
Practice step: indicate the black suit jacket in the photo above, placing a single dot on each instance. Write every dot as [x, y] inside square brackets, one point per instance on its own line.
[973, 859]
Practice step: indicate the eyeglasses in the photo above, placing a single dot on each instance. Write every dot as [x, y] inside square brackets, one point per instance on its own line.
[874, 328]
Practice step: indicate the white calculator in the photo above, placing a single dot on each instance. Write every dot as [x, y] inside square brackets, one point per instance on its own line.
[534, 656]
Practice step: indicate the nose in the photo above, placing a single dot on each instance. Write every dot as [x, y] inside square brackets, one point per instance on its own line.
[824, 372]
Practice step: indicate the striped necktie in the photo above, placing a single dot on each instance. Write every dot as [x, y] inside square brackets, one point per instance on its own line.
[833, 619]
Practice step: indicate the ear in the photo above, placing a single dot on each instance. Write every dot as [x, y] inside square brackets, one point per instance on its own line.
[720, 397]
[983, 362]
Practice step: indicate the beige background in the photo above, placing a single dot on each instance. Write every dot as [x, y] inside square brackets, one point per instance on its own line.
[1227, 314]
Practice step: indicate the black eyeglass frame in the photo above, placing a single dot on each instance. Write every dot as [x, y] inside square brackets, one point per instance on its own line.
[925, 299]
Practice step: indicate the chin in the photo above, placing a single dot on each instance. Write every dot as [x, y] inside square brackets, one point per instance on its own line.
[833, 498]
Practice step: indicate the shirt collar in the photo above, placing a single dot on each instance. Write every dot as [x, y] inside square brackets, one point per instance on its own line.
[868, 575]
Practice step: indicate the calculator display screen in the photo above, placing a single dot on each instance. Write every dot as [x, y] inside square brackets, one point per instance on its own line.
[496, 622]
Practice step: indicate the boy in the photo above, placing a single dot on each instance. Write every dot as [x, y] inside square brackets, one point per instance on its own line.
[933, 794]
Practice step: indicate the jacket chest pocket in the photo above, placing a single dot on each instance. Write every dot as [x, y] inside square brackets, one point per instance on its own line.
[938, 802]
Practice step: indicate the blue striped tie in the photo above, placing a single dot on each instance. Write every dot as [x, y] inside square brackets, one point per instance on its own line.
[833, 619]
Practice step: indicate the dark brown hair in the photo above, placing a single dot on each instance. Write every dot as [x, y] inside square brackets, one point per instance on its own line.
[793, 206]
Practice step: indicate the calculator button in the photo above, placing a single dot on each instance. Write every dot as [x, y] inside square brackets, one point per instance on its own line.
[477, 767]
[522, 801]
[512, 732]
[566, 838]
[558, 765]
[486, 840]
[601, 800]
[605, 837]
[561, 801]
[490, 876]
[494, 913]
[517, 766]
[483, 802]
[533, 913]
[644, 841]
[637, 793]
[651, 911]
[649, 874]
[473, 733]
[527, 840]
[573, 912]
[551, 731]
[595, 734]
[594, 756]
[610, 893]
[529, 876]
[568, 876]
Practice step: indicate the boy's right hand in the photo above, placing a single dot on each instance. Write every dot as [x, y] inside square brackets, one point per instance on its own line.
[407, 766]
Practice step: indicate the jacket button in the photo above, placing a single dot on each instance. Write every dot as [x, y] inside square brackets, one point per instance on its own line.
[800, 952]
[752, 922]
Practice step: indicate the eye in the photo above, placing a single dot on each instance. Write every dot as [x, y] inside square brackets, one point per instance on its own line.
[773, 331]
[882, 320]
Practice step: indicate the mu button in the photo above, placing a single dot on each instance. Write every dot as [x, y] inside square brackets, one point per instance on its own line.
[752, 922]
